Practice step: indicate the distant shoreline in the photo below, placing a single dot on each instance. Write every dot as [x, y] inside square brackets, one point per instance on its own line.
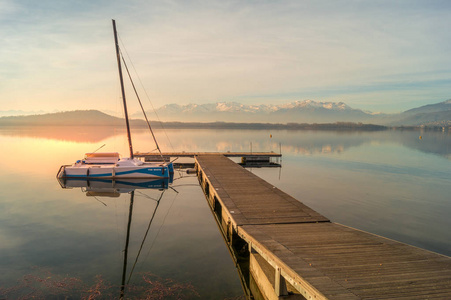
[338, 126]
[97, 118]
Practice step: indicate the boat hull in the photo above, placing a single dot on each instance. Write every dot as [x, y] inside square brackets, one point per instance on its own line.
[114, 172]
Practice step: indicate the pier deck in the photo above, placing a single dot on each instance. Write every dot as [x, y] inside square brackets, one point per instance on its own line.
[193, 154]
[308, 253]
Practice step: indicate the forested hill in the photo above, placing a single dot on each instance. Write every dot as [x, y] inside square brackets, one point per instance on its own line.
[68, 118]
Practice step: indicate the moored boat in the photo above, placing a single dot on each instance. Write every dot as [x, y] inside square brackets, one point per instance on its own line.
[109, 165]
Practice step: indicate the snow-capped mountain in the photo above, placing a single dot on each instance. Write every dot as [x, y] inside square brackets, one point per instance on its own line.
[238, 107]
[213, 107]
[310, 104]
[307, 111]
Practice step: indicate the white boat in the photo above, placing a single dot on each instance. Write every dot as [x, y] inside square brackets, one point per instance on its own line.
[110, 165]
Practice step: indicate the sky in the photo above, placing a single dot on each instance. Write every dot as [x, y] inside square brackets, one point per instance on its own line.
[379, 56]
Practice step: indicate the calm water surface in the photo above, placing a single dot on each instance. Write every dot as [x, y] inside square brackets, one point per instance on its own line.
[56, 241]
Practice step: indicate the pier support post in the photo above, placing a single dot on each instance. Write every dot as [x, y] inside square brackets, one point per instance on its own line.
[229, 231]
[280, 287]
[268, 278]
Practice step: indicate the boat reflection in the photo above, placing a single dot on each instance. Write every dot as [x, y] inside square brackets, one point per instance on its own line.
[114, 188]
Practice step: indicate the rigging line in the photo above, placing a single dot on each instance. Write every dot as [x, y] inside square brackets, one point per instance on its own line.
[147, 196]
[118, 113]
[145, 237]
[99, 148]
[162, 223]
[100, 201]
[147, 96]
[187, 184]
[140, 104]
[173, 190]
[184, 176]
[178, 170]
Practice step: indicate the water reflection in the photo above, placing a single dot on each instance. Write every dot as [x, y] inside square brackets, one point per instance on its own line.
[61, 234]
[79, 134]
[99, 188]
[113, 188]
[304, 142]
[389, 183]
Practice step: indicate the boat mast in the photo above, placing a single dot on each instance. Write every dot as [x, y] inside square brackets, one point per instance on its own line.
[122, 89]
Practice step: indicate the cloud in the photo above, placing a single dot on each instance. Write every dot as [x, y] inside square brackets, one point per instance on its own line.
[61, 54]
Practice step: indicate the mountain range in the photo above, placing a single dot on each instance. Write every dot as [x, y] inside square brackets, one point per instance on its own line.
[307, 111]
[300, 112]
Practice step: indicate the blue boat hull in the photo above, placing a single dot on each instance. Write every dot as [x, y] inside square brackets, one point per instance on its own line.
[110, 171]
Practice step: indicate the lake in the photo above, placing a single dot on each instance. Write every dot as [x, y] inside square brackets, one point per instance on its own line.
[61, 242]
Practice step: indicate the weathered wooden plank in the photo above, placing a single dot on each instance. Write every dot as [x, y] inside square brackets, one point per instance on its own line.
[327, 260]
[257, 200]
[345, 268]
[419, 295]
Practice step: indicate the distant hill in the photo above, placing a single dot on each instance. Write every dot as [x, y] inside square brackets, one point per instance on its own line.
[438, 107]
[68, 118]
[438, 114]
[299, 112]
[439, 118]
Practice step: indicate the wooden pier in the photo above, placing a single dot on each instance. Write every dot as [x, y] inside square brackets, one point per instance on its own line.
[154, 155]
[248, 159]
[295, 252]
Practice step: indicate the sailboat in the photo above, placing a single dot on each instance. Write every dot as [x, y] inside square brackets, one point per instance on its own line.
[109, 165]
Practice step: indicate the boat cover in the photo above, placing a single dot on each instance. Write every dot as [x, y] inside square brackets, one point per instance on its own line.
[102, 158]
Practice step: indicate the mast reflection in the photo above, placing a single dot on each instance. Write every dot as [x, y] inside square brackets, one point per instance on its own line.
[114, 188]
